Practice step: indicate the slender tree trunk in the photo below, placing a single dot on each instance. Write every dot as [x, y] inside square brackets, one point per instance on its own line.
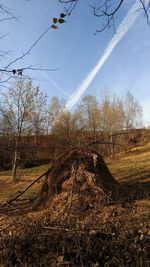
[14, 167]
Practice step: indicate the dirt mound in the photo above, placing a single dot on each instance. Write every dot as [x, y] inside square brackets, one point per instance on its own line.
[77, 179]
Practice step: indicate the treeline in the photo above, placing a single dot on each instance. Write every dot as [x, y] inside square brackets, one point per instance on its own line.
[110, 115]
[25, 111]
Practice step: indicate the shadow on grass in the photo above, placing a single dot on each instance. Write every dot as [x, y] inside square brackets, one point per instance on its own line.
[136, 177]
[136, 189]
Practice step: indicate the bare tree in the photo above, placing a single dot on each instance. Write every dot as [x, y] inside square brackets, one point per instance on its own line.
[22, 109]
[90, 111]
[112, 117]
[66, 129]
[55, 108]
[133, 112]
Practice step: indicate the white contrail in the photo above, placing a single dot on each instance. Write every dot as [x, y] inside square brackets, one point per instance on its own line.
[54, 84]
[121, 31]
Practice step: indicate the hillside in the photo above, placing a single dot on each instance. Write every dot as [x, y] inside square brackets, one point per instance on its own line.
[84, 231]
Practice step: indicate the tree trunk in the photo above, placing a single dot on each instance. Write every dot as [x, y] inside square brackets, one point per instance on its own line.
[14, 167]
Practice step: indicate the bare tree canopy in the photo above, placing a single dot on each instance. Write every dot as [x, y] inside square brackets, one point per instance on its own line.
[22, 112]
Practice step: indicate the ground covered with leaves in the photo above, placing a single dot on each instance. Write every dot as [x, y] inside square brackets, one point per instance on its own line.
[83, 227]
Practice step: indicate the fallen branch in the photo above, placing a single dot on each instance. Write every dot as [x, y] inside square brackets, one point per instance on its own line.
[104, 143]
[104, 193]
[45, 173]
[15, 198]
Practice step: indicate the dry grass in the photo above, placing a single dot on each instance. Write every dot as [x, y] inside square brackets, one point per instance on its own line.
[25, 177]
[130, 167]
[126, 224]
[135, 163]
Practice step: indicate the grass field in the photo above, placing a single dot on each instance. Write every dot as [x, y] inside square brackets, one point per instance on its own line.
[131, 168]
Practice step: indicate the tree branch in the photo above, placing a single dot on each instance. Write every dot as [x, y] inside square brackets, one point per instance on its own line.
[35, 181]
[19, 71]
[145, 10]
[6, 11]
[29, 50]
[107, 9]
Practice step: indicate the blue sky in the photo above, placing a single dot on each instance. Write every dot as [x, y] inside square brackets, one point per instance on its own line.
[75, 50]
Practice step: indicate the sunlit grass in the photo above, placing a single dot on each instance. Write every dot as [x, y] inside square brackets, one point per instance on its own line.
[135, 164]
[26, 171]
[132, 166]
[25, 178]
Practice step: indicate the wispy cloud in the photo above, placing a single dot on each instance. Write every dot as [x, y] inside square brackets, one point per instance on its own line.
[124, 26]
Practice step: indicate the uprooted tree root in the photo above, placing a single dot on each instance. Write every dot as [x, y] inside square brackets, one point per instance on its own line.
[75, 172]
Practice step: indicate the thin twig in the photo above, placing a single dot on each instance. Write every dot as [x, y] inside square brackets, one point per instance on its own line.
[29, 50]
[104, 193]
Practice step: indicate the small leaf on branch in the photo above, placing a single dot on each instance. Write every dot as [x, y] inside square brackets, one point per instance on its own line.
[54, 20]
[14, 72]
[54, 27]
[62, 15]
[61, 21]
[20, 71]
